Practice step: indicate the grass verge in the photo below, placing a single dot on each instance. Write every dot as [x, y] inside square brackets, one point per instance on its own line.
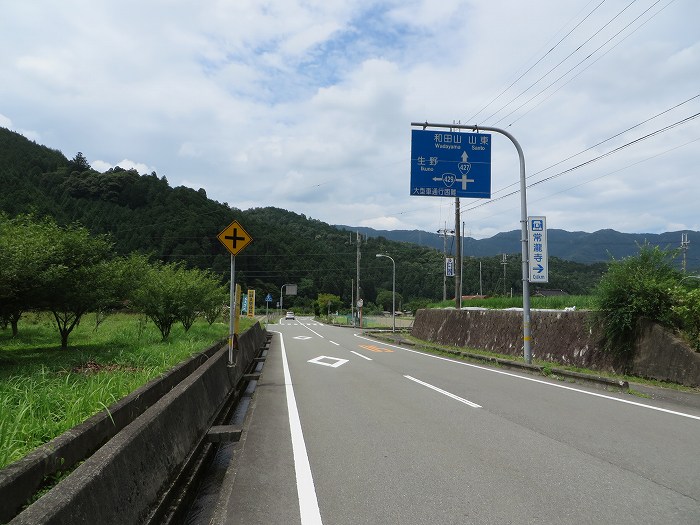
[45, 390]
[446, 351]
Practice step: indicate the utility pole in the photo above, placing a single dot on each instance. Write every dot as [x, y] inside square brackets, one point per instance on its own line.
[458, 258]
[481, 285]
[357, 282]
[504, 262]
[444, 232]
[458, 255]
[684, 248]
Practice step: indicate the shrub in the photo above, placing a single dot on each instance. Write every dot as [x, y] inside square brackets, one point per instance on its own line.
[687, 310]
[633, 288]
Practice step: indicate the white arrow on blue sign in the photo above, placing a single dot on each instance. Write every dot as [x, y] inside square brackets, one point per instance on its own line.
[450, 164]
[537, 249]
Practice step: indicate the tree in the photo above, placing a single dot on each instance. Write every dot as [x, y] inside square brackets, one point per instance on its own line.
[327, 302]
[634, 288]
[77, 279]
[79, 163]
[215, 303]
[385, 299]
[26, 249]
[170, 293]
[199, 291]
[124, 275]
[159, 295]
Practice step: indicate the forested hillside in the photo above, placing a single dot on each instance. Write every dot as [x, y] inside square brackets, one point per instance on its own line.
[582, 247]
[142, 213]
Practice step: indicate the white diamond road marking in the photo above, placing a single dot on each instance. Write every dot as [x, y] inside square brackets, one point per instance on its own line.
[319, 361]
[302, 337]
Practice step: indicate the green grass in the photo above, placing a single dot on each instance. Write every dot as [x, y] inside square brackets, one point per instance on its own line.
[45, 390]
[581, 302]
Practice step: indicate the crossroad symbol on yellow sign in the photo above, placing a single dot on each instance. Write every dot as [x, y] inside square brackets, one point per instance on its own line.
[373, 348]
[234, 237]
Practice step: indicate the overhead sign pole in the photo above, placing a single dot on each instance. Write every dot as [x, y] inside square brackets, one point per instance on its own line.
[446, 179]
[234, 238]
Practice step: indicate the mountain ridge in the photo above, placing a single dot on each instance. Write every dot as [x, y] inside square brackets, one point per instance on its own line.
[577, 246]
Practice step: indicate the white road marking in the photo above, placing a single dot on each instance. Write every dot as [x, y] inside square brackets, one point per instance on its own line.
[319, 361]
[306, 490]
[524, 378]
[333, 343]
[360, 355]
[445, 392]
[311, 330]
[302, 337]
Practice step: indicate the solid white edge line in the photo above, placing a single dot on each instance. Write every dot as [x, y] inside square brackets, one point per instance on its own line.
[595, 394]
[444, 392]
[306, 490]
[360, 355]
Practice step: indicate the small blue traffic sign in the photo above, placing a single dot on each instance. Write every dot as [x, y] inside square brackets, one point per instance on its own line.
[268, 299]
[450, 164]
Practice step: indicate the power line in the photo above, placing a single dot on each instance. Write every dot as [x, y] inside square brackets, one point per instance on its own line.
[576, 65]
[592, 63]
[676, 106]
[538, 61]
[562, 61]
[595, 159]
[601, 176]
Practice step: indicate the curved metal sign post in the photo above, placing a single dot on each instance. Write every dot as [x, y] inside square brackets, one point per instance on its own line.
[527, 350]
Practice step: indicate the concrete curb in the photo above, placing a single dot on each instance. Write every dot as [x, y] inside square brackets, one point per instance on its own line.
[126, 479]
[19, 480]
[546, 371]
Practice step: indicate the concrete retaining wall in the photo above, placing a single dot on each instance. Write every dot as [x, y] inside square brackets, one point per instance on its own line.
[662, 355]
[120, 482]
[564, 337]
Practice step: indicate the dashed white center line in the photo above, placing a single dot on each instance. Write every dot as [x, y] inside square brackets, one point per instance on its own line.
[360, 355]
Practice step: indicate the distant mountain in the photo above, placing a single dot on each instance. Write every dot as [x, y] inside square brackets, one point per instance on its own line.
[580, 247]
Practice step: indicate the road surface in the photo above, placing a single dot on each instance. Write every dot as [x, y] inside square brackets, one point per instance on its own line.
[347, 430]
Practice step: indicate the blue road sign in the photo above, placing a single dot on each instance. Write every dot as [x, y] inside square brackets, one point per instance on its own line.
[450, 164]
[268, 299]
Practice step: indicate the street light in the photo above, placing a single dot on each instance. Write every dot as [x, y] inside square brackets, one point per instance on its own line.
[393, 292]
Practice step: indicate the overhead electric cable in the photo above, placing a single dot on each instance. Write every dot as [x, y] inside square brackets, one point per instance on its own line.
[535, 64]
[591, 161]
[601, 142]
[605, 174]
[561, 62]
[592, 63]
[575, 66]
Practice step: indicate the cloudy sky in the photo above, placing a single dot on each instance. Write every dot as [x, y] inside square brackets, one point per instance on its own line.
[307, 104]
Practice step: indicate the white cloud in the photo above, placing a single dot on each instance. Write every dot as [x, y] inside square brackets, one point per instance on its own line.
[307, 105]
[5, 122]
[102, 166]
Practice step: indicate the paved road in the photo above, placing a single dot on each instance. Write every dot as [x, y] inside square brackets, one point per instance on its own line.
[346, 430]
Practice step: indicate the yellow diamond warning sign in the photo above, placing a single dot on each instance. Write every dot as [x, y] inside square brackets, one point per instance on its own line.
[235, 238]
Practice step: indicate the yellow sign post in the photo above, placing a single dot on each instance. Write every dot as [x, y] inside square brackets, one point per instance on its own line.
[251, 303]
[234, 238]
